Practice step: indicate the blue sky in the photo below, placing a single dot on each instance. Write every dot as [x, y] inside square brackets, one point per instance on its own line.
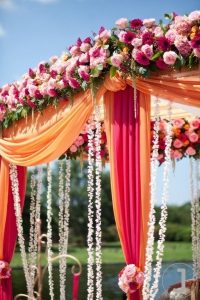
[33, 30]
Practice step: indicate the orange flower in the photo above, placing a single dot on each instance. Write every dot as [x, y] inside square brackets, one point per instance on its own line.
[186, 126]
[125, 50]
[194, 31]
[186, 143]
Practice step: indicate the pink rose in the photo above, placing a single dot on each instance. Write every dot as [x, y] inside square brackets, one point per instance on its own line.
[130, 271]
[117, 59]
[74, 50]
[171, 35]
[158, 32]
[178, 123]
[122, 23]
[32, 89]
[52, 83]
[193, 137]
[74, 83]
[105, 35]
[170, 57]
[194, 15]
[177, 143]
[147, 50]
[191, 151]
[149, 23]
[196, 52]
[176, 154]
[195, 123]
[79, 141]
[136, 42]
[85, 47]
[52, 93]
[84, 58]
[140, 278]
[73, 148]
[83, 72]
[53, 59]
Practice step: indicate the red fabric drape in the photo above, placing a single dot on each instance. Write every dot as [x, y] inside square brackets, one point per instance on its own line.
[76, 278]
[10, 233]
[126, 153]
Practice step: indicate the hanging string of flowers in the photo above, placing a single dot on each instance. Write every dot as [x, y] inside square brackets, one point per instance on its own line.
[38, 202]
[49, 230]
[90, 237]
[153, 190]
[98, 170]
[149, 45]
[164, 199]
[32, 238]
[62, 265]
[18, 214]
[195, 215]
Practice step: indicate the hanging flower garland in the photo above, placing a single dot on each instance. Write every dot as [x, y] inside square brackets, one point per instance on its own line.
[18, 214]
[98, 170]
[164, 199]
[90, 237]
[32, 238]
[136, 46]
[195, 215]
[64, 202]
[49, 230]
[153, 190]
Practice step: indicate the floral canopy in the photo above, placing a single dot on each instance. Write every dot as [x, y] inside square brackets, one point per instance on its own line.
[43, 113]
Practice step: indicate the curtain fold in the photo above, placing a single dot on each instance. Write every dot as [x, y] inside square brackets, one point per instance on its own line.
[123, 135]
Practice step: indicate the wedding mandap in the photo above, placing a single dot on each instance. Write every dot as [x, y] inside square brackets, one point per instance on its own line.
[102, 100]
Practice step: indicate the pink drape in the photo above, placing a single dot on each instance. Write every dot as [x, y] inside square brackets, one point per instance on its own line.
[76, 278]
[10, 233]
[127, 173]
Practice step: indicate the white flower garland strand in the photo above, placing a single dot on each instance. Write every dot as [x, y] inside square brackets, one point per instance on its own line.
[98, 233]
[18, 214]
[49, 231]
[90, 236]
[153, 198]
[64, 202]
[32, 239]
[195, 215]
[164, 200]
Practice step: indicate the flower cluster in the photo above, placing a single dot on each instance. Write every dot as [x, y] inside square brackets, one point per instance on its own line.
[5, 270]
[79, 149]
[135, 47]
[185, 138]
[131, 279]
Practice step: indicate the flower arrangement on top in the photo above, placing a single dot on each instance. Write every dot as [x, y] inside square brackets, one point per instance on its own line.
[185, 140]
[133, 47]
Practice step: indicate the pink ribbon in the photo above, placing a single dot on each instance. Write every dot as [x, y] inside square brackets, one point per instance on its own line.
[76, 278]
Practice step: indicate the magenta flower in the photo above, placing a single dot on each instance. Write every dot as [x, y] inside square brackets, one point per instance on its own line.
[38, 95]
[147, 38]
[42, 68]
[195, 42]
[74, 83]
[163, 43]
[141, 58]
[53, 74]
[87, 40]
[128, 37]
[161, 64]
[31, 73]
[136, 23]
[52, 93]
[78, 42]
[94, 52]
[84, 75]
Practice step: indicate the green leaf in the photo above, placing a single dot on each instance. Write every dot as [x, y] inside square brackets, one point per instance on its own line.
[144, 72]
[157, 55]
[168, 16]
[95, 72]
[113, 71]
[23, 113]
[191, 60]
[106, 47]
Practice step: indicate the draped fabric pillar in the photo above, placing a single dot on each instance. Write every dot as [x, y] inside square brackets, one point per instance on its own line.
[123, 133]
[10, 231]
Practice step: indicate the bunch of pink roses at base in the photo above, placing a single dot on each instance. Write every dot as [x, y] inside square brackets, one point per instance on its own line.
[185, 139]
[79, 148]
[134, 47]
[5, 270]
[130, 279]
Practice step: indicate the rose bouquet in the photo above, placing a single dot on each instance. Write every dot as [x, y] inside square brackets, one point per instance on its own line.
[5, 270]
[131, 279]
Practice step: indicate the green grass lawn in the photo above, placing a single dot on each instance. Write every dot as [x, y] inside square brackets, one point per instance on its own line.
[112, 254]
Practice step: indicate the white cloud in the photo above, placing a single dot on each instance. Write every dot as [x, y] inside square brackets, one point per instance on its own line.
[2, 31]
[7, 4]
[46, 1]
